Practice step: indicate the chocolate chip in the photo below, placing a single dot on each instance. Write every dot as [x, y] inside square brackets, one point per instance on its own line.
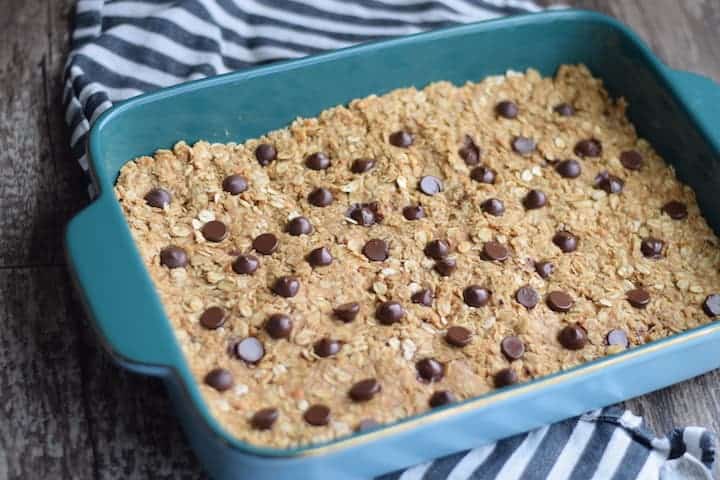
[173, 257]
[235, 184]
[631, 159]
[652, 247]
[326, 347]
[564, 110]
[565, 241]
[212, 318]
[476, 296]
[366, 214]
[299, 226]
[423, 297]
[544, 268]
[279, 325]
[245, 265]
[559, 301]
[638, 297]
[608, 182]
[523, 145]
[320, 257]
[220, 379]
[483, 174]
[507, 109]
[445, 267]
[317, 415]
[158, 198]
[493, 206]
[569, 168]
[317, 161]
[320, 197]
[401, 139]
[588, 148]
[250, 350]
[494, 251]
[711, 305]
[617, 337]
[365, 390]
[440, 398]
[430, 185]
[573, 337]
[527, 297]
[265, 243]
[264, 419]
[534, 199]
[675, 210]
[505, 378]
[437, 249]
[413, 212]
[214, 231]
[347, 311]
[366, 424]
[469, 152]
[458, 336]
[376, 250]
[286, 286]
[512, 347]
[430, 370]
[388, 313]
[265, 153]
[362, 165]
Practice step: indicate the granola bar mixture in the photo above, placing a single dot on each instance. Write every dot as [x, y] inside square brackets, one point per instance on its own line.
[417, 248]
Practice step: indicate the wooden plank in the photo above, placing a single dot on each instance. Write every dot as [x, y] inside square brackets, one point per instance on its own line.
[43, 430]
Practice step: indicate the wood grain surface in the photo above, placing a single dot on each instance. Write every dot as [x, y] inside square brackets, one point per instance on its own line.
[65, 410]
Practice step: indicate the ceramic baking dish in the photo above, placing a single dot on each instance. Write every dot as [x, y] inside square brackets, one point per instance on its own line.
[678, 112]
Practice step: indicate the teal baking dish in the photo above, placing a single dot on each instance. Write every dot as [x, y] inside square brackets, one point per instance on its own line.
[678, 112]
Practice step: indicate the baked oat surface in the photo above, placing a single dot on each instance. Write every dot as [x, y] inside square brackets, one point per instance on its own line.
[622, 264]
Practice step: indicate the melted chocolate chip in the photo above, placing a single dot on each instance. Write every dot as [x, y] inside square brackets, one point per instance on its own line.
[507, 109]
[413, 212]
[523, 145]
[675, 210]
[505, 378]
[245, 265]
[173, 257]
[365, 390]
[631, 159]
[220, 379]
[158, 198]
[440, 398]
[512, 347]
[320, 257]
[320, 197]
[564, 110]
[437, 249]
[401, 139]
[362, 165]
[617, 337]
[494, 251]
[445, 267]
[534, 199]
[215, 231]
[565, 241]
[212, 318]
[317, 415]
[559, 301]
[317, 161]
[608, 182]
[430, 370]
[423, 297]
[493, 206]
[326, 347]
[483, 174]
[476, 296]
[652, 247]
[430, 185]
[544, 268]
[458, 336]
[388, 313]
[588, 148]
[265, 243]
[527, 297]
[235, 184]
[286, 286]
[299, 226]
[249, 349]
[264, 419]
[711, 305]
[366, 214]
[376, 250]
[469, 152]
[265, 153]
[638, 297]
[347, 311]
[569, 168]
[573, 337]
[279, 325]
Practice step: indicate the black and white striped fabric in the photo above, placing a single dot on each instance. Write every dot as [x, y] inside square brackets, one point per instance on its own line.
[122, 48]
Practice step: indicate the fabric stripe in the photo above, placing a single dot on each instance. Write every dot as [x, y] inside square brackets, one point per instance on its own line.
[470, 462]
[544, 458]
[496, 460]
[570, 455]
[614, 450]
[514, 467]
[633, 461]
[593, 452]
[442, 468]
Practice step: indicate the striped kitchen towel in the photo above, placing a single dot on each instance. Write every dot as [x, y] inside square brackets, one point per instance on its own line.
[122, 48]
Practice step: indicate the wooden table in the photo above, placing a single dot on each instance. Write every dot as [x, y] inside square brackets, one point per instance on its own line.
[65, 410]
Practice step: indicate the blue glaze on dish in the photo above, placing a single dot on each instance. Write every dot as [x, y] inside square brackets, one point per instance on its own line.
[678, 112]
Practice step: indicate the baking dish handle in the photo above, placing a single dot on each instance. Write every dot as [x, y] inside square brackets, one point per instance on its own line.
[104, 262]
[702, 95]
